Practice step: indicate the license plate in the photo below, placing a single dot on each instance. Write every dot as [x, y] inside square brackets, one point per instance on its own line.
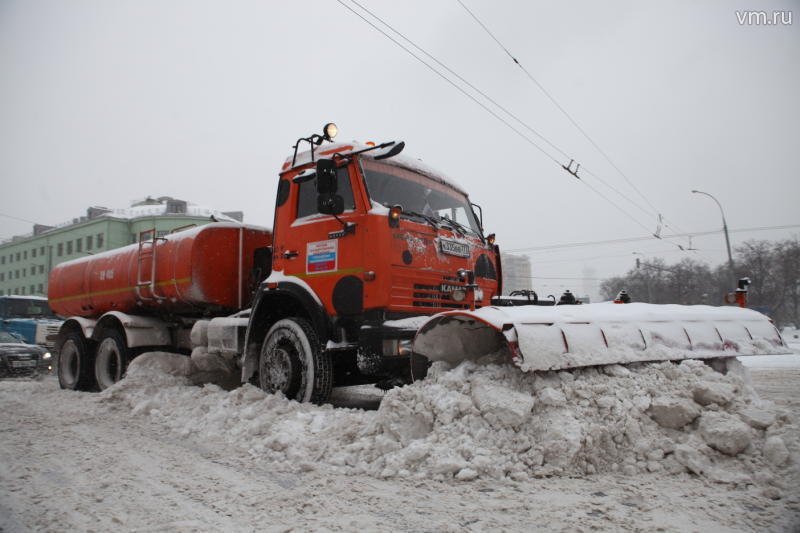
[454, 248]
[23, 364]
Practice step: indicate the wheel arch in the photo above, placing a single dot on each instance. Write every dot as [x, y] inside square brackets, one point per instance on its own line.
[138, 331]
[272, 304]
[75, 324]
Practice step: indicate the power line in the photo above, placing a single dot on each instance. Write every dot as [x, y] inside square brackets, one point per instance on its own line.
[466, 82]
[487, 109]
[647, 237]
[614, 256]
[560, 108]
[18, 218]
[448, 80]
[510, 114]
[556, 278]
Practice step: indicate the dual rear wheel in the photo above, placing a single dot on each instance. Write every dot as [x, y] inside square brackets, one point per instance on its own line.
[86, 365]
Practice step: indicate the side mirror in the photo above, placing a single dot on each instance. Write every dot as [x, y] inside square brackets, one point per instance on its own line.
[330, 204]
[326, 177]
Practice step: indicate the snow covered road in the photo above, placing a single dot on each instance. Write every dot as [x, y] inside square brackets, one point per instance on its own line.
[79, 462]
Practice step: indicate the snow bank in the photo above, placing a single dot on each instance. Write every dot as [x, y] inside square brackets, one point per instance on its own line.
[496, 422]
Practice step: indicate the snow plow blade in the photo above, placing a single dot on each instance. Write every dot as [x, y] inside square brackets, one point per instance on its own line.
[571, 336]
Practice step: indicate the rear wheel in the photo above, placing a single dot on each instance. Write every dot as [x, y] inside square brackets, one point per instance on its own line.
[112, 359]
[293, 362]
[76, 363]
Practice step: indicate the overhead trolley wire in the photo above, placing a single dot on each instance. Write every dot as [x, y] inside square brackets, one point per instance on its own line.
[466, 82]
[646, 237]
[18, 218]
[490, 111]
[451, 82]
[563, 111]
[509, 113]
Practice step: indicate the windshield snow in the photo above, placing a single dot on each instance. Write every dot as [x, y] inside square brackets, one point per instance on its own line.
[391, 185]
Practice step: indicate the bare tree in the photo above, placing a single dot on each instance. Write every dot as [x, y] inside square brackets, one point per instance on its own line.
[773, 268]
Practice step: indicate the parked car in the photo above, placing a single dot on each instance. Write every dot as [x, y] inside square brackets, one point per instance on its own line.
[20, 359]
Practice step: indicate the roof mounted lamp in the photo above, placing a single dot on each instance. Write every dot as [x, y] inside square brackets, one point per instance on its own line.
[315, 139]
[329, 131]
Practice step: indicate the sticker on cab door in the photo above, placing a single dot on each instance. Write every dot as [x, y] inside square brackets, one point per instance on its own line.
[321, 256]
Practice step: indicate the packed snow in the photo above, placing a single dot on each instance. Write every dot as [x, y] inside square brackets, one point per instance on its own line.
[494, 422]
[666, 446]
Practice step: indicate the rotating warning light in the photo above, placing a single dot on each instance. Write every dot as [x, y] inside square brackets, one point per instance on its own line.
[329, 131]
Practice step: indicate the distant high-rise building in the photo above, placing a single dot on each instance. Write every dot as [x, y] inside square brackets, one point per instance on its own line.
[26, 260]
[516, 272]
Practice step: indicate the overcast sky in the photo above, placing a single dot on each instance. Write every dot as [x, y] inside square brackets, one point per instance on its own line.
[106, 102]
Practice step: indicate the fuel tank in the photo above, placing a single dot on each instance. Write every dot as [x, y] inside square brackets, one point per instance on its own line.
[204, 270]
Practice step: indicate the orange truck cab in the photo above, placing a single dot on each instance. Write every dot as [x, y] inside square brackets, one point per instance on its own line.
[367, 244]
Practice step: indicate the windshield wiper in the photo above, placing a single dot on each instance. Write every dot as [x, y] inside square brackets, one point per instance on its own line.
[429, 219]
[464, 229]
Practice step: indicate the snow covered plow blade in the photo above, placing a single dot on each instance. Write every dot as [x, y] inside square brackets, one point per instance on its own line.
[570, 336]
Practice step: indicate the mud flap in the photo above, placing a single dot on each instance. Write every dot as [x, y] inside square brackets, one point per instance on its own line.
[555, 338]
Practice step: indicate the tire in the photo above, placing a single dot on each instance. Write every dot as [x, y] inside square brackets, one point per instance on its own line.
[293, 362]
[111, 360]
[418, 366]
[76, 363]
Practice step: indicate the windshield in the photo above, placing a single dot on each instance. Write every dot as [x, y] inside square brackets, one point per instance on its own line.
[6, 337]
[390, 185]
[22, 308]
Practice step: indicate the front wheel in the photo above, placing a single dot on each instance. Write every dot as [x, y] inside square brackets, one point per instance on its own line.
[293, 362]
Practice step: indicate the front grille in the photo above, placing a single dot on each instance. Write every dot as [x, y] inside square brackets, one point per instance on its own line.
[51, 330]
[13, 372]
[410, 293]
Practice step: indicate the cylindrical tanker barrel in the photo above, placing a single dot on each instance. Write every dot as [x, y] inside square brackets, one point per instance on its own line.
[207, 269]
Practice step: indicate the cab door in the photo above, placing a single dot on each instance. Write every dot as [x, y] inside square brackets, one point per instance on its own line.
[315, 248]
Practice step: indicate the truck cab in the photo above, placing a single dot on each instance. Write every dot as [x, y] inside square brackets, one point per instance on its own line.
[28, 317]
[368, 243]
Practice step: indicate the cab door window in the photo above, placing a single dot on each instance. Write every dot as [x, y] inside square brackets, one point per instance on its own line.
[307, 194]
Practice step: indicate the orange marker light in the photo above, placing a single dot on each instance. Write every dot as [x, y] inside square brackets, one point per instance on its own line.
[394, 215]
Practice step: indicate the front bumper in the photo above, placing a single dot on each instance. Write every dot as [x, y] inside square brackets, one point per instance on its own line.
[385, 352]
[19, 367]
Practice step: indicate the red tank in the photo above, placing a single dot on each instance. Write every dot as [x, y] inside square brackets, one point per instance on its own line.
[207, 269]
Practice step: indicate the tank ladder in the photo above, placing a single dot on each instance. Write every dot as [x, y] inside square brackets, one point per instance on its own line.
[148, 248]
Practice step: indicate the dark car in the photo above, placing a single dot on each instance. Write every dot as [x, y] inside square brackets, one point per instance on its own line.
[19, 359]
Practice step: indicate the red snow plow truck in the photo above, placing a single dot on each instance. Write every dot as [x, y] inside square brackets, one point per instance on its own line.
[376, 265]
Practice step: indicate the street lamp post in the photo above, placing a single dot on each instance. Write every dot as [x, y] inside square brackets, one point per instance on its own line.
[644, 275]
[724, 228]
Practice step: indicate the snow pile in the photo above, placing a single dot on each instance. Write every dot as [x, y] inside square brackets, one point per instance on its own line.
[494, 421]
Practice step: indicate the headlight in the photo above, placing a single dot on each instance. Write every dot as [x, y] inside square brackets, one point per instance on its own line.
[46, 356]
[459, 295]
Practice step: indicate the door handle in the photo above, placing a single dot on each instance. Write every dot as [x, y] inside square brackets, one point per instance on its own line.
[290, 254]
